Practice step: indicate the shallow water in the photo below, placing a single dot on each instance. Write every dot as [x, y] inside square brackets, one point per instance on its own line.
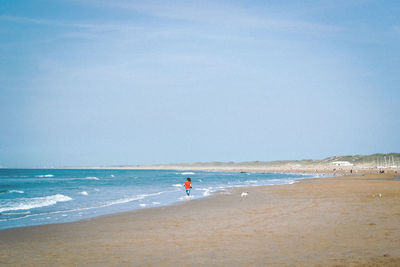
[43, 196]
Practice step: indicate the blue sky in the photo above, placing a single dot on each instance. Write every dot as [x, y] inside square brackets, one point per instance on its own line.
[139, 82]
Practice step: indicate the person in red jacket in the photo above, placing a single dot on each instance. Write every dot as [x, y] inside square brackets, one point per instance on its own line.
[188, 187]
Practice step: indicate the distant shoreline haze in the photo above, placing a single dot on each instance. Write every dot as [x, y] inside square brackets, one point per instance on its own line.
[377, 160]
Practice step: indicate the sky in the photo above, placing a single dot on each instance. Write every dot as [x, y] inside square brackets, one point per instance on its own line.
[89, 83]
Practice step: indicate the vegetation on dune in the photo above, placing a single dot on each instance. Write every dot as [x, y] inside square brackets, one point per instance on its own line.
[377, 159]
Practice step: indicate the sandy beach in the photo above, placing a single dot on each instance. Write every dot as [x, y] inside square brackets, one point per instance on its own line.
[199, 133]
[339, 221]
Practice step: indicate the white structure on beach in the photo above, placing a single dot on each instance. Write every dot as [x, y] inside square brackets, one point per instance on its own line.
[342, 163]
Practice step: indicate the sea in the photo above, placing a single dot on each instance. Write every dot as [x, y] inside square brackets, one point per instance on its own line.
[46, 196]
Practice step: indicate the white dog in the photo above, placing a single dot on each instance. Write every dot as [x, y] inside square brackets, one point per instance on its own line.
[244, 194]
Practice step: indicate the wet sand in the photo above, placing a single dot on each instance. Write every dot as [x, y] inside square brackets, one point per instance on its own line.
[340, 221]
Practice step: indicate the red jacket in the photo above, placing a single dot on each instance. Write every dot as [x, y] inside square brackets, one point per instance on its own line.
[188, 185]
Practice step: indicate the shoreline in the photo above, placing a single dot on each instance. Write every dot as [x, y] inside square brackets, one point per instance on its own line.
[341, 220]
[297, 179]
[319, 175]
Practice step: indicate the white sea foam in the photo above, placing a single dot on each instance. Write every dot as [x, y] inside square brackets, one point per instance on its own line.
[112, 175]
[92, 178]
[16, 213]
[11, 191]
[280, 181]
[151, 194]
[142, 205]
[177, 185]
[207, 191]
[155, 203]
[106, 204]
[185, 197]
[16, 191]
[31, 203]
[128, 199]
[45, 175]
[84, 193]
[121, 201]
[187, 173]
[251, 181]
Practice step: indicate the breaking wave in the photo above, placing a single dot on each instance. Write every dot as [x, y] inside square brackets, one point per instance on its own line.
[92, 178]
[31, 203]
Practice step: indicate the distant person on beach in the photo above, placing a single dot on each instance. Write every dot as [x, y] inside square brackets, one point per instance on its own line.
[188, 186]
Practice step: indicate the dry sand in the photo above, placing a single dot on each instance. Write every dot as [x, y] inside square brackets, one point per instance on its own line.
[340, 221]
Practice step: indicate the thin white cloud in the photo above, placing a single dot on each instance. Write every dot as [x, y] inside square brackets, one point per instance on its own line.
[217, 13]
[27, 20]
[71, 29]
[57, 23]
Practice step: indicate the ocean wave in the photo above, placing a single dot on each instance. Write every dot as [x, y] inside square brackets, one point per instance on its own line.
[15, 213]
[187, 173]
[11, 191]
[251, 182]
[152, 194]
[120, 201]
[31, 203]
[206, 191]
[92, 178]
[16, 191]
[129, 199]
[177, 185]
[281, 181]
[105, 204]
[16, 218]
[45, 175]
[84, 193]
